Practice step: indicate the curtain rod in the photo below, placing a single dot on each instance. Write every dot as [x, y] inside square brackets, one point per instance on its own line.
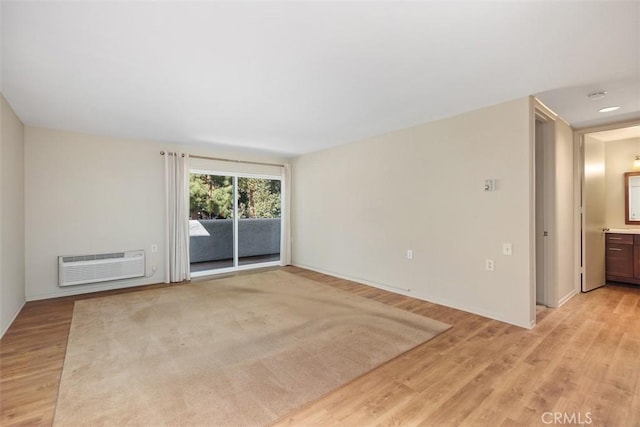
[228, 160]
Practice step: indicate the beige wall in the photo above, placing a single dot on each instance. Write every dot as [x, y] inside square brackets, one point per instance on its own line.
[89, 194]
[358, 208]
[12, 261]
[619, 157]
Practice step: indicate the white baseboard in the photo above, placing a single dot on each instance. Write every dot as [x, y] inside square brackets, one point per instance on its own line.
[396, 289]
[91, 288]
[6, 327]
[410, 293]
[567, 297]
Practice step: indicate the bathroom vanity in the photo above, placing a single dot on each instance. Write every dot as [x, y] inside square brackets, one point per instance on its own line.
[622, 251]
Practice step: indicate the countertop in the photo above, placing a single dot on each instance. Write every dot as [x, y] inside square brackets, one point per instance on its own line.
[624, 230]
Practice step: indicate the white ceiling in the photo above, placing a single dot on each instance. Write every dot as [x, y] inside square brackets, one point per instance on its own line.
[617, 134]
[295, 77]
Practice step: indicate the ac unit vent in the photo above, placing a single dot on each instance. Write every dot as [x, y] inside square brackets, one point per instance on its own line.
[92, 257]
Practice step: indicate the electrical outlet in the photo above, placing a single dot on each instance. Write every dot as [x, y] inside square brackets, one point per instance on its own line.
[409, 254]
[154, 248]
[488, 264]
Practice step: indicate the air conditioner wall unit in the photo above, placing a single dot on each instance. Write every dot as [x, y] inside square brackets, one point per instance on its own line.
[81, 269]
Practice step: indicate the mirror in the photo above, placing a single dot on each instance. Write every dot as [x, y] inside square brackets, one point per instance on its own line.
[632, 198]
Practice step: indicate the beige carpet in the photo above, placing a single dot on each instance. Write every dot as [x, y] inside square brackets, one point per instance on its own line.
[241, 351]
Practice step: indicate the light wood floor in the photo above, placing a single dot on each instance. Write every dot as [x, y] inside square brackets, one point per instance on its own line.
[581, 360]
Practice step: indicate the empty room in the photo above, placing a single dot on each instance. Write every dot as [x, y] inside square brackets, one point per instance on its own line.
[310, 213]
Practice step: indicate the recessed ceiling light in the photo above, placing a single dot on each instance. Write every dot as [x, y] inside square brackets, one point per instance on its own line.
[609, 109]
[597, 95]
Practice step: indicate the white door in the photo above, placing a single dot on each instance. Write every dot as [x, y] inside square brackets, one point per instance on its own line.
[593, 216]
[541, 216]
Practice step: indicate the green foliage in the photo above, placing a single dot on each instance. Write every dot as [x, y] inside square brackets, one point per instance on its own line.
[258, 198]
[211, 196]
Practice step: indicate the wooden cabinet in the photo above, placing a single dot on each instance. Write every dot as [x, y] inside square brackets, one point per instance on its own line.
[623, 258]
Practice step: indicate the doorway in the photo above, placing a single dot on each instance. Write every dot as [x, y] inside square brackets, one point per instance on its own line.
[605, 153]
[235, 221]
[544, 143]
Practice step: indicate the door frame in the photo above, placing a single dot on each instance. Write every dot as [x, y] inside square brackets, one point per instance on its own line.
[578, 177]
[236, 259]
[545, 115]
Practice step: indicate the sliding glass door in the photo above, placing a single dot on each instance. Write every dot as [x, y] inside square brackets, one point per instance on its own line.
[235, 222]
[259, 220]
[211, 231]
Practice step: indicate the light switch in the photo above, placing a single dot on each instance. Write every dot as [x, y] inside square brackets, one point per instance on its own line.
[507, 249]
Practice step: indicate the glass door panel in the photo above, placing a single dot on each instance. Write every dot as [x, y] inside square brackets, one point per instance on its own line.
[259, 220]
[211, 228]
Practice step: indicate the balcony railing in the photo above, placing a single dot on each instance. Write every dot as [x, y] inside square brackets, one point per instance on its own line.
[211, 242]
